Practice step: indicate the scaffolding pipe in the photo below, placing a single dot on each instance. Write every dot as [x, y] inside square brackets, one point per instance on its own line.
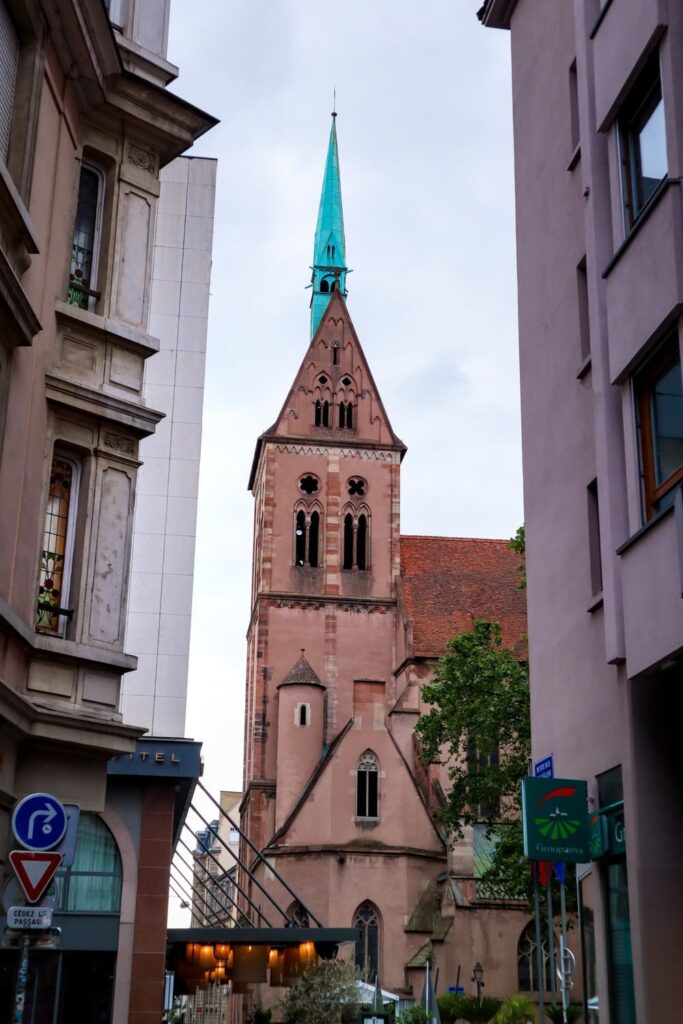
[261, 857]
[237, 885]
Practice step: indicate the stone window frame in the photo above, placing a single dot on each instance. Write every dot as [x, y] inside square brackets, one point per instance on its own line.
[302, 709]
[635, 113]
[351, 516]
[367, 917]
[91, 163]
[368, 767]
[306, 509]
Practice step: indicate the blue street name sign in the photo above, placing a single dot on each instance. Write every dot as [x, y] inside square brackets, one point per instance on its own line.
[457, 990]
[39, 821]
[544, 768]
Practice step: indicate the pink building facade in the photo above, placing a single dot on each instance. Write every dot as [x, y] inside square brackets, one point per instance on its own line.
[598, 122]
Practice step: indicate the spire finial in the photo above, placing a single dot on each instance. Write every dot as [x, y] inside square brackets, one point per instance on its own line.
[334, 102]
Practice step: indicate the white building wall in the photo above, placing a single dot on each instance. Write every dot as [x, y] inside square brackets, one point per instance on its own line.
[160, 603]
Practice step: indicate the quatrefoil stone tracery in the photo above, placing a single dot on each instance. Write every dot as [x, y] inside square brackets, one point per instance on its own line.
[357, 487]
[309, 484]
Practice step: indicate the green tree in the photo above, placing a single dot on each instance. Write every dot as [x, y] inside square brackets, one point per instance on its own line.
[518, 544]
[326, 994]
[479, 724]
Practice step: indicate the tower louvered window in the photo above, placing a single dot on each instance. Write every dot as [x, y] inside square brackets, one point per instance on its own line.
[356, 540]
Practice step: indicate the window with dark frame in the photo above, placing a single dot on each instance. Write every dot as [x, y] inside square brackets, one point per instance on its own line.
[356, 540]
[574, 107]
[479, 763]
[642, 138]
[306, 538]
[86, 239]
[367, 786]
[659, 402]
[594, 551]
[584, 320]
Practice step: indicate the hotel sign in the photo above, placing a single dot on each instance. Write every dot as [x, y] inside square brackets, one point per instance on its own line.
[555, 820]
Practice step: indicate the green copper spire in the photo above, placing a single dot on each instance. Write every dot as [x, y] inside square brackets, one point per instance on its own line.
[329, 251]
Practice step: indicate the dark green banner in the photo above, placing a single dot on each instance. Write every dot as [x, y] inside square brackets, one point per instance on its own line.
[555, 820]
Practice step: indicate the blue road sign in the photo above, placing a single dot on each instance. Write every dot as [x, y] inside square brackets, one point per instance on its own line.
[544, 768]
[39, 821]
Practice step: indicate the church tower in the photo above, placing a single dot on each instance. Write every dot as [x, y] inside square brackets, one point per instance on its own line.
[328, 789]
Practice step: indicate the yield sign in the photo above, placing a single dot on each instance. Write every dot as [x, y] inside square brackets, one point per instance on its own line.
[34, 871]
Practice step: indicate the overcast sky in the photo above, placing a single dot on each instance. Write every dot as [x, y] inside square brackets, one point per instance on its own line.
[424, 126]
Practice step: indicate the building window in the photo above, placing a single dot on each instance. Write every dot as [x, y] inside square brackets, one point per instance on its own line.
[659, 400]
[93, 882]
[584, 318]
[307, 538]
[298, 915]
[302, 715]
[322, 414]
[309, 484]
[9, 63]
[356, 539]
[86, 239]
[356, 487]
[346, 415]
[574, 107]
[58, 544]
[527, 964]
[594, 551]
[479, 764]
[643, 141]
[367, 786]
[335, 355]
[366, 919]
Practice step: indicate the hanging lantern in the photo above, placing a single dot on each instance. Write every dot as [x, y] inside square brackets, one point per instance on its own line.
[249, 964]
[293, 966]
[221, 951]
[307, 954]
[220, 974]
[206, 958]
[276, 963]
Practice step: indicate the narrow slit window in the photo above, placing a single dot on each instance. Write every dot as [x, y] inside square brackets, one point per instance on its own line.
[318, 413]
[303, 714]
[57, 550]
[584, 321]
[367, 786]
[300, 538]
[326, 414]
[313, 539]
[342, 415]
[335, 355]
[361, 542]
[349, 416]
[348, 541]
[86, 240]
[594, 538]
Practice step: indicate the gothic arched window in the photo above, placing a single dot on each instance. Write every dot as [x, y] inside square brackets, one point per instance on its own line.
[356, 539]
[527, 968]
[318, 413]
[342, 415]
[367, 786]
[307, 536]
[326, 414]
[366, 919]
[298, 915]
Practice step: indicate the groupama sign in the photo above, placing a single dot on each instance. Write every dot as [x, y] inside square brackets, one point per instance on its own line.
[555, 820]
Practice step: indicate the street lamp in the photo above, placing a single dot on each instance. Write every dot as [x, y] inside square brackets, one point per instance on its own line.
[478, 978]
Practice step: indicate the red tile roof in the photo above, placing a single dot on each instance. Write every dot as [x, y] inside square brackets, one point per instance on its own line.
[449, 581]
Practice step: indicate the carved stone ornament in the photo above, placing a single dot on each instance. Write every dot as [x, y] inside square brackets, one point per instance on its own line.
[368, 762]
[120, 444]
[143, 158]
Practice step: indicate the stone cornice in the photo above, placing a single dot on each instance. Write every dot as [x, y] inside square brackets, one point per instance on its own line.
[139, 419]
[349, 850]
[322, 446]
[285, 599]
[112, 330]
[62, 650]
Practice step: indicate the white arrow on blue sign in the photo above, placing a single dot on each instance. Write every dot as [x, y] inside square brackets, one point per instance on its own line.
[39, 821]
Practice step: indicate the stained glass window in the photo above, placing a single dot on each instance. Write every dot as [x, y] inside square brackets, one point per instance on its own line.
[84, 249]
[527, 964]
[53, 582]
[366, 919]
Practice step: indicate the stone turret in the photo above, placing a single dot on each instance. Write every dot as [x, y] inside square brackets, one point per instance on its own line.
[300, 734]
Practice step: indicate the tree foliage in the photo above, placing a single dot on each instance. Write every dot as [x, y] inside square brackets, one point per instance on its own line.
[325, 994]
[480, 700]
[518, 544]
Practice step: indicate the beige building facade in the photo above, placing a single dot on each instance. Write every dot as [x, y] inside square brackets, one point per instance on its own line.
[86, 124]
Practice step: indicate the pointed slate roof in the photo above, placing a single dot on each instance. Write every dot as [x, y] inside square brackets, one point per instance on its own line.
[301, 674]
[330, 213]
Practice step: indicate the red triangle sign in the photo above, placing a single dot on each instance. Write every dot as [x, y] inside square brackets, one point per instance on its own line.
[35, 871]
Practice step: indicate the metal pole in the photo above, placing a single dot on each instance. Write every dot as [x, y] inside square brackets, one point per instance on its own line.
[183, 899]
[201, 881]
[189, 894]
[551, 937]
[245, 868]
[261, 857]
[237, 885]
[563, 946]
[22, 980]
[540, 966]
